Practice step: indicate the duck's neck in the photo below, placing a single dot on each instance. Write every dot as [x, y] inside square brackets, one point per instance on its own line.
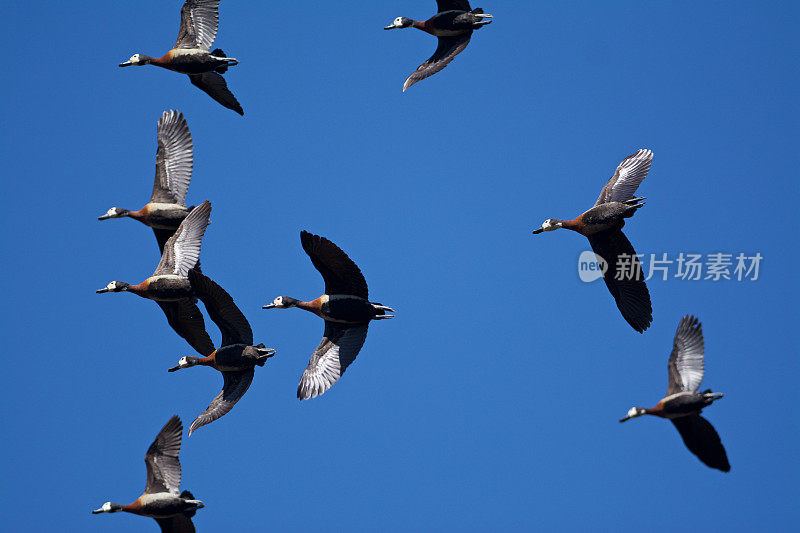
[422, 25]
[314, 306]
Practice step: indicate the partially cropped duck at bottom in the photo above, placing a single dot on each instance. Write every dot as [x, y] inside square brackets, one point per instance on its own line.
[236, 358]
[199, 23]
[602, 225]
[346, 309]
[683, 404]
[169, 285]
[172, 510]
[452, 25]
[174, 161]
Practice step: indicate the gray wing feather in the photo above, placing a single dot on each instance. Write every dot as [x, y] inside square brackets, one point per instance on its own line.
[686, 361]
[627, 178]
[448, 49]
[222, 310]
[339, 347]
[182, 250]
[161, 459]
[174, 159]
[235, 384]
[199, 24]
[215, 86]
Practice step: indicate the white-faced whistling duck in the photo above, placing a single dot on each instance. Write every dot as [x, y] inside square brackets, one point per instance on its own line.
[169, 285]
[199, 23]
[344, 307]
[602, 225]
[236, 357]
[161, 500]
[683, 404]
[452, 25]
[167, 206]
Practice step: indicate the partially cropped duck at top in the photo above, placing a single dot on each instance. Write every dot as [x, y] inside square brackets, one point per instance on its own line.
[167, 206]
[199, 23]
[602, 225]
[169, 285]
[453, 25]
[236, 358]
[683, 404]
[172, 510]
[346, 309]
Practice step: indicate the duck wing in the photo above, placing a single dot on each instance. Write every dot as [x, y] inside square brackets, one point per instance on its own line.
[214, 85]
[161, 459]
[162, 236]
[629, 174]
[686, 360]
[341, 274]
[179, 523]
[630, 292]
[199, 24]
[222, 310]
[702, 440]
[339, 347]
[453, 5]
[174, 159]
[235, 384]
[448, 49]
[186, 319]
[182, 250]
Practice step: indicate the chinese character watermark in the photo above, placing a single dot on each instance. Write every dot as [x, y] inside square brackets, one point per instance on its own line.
[716, 266]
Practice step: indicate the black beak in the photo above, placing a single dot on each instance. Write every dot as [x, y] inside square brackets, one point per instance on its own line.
[537, 231]
[174, 368]
[268, 306]
[126, 64]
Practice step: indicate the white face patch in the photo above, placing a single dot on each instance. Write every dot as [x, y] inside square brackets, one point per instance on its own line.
[111, 286]
[633, 412]
[106, 507]
[278, 301]
[183, 362]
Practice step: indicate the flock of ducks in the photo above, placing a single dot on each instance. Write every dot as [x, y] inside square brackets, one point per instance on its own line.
[178, 281]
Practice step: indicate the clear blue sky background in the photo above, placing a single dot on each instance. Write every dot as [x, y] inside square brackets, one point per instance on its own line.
[491, 401]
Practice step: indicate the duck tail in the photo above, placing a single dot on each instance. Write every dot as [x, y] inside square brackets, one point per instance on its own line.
[219, 53]
[481, 18]
[380, 311]
[186, 495]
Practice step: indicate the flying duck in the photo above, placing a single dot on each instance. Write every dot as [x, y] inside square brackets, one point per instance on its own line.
[169, 285]
[160, 499]
[199, 23]
[236, 357]
[346, 309]
[683, 404]
[602, 225]
[167, 207]
[452, 25]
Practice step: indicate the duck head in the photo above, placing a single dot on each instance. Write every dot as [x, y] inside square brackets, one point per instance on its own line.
[549, 225]
[108, 507]
[281, 302]
[137, 59]
[633, 413]
[114, 212]
[400, 22]
[185, 362]
[114, 286]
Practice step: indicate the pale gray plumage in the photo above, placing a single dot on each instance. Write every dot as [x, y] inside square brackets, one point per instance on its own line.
[161, 459]
[174, 159]
[686, 361]
[627, 178]
[339, 347]
[199, 24]
[182, 250]
[234, 385]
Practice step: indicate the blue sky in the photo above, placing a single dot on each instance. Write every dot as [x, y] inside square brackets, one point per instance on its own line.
[491, 401]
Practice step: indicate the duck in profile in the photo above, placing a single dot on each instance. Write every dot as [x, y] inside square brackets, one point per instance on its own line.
[169, 285]
[174, 161]
[683, 404]
[602, 225]
[199, 23]
[161, 500]
[346, 309]
[236, 358]
[453, 25]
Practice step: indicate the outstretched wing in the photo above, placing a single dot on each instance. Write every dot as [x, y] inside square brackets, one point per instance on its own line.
[702, 440]
[174, 159]
[214, 85]
[626, 179]
[179, 523]
[199, 23]
[686, 361]
[182, 250]
[163, 466]
[222, 310]
[448, 49]
[341, 274]
[453, 5]
[186, 319]
[234, 386]
[339, 347]
[629, 291]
